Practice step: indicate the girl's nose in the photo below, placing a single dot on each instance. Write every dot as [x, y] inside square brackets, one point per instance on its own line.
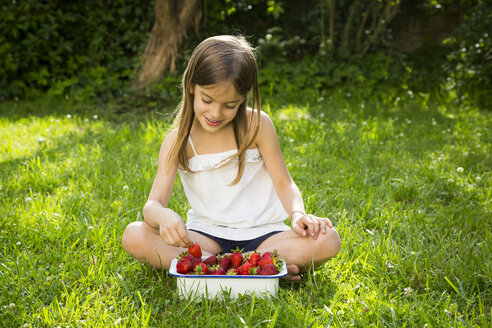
[216, 110]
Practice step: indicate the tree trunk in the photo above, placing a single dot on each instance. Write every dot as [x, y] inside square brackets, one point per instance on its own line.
[172, 20]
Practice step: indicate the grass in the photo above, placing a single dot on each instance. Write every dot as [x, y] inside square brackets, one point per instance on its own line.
[406, 181]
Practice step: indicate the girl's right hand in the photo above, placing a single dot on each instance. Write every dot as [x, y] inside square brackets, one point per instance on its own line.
[173, 230]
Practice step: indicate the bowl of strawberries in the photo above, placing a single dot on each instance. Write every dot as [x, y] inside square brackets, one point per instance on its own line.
[233, 273]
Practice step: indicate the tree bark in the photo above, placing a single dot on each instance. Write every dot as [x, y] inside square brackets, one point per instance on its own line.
[172, 20]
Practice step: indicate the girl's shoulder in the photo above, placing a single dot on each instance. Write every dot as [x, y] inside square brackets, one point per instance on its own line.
[170, 137]
[264, 118]
[265, 125]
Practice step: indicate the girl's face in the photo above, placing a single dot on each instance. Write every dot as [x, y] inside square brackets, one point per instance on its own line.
[215, 105]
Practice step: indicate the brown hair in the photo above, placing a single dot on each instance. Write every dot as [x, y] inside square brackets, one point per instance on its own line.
[217, 59]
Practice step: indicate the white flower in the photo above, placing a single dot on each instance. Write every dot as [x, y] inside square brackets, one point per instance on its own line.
[69, 116]
[450, 180]
[465, 153]
[125, 187]
[408, 291]
[18, 243]
[28, 199]
[460, 169]
[476, 179]
[95, 117]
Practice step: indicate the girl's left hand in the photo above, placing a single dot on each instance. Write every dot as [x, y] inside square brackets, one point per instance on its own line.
[303, 224]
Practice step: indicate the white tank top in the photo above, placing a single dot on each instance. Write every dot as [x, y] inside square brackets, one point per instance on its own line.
[244, 211]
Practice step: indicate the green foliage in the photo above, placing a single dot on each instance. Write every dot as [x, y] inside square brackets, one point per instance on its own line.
[85, 50]
[470, 65]
[65, 45]
[316, 76]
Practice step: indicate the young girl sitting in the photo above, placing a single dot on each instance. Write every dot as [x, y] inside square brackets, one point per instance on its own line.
[232, 170]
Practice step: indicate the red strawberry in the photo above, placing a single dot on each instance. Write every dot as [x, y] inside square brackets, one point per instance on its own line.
[225, 262]
[211, 260]
[236, 258]
[195, 250]
[254, 271]
[184, 266]
[267, 260]
[191, 258]
[254, 258]
[216, 270]
[268, 270]
[269, 254]
[213, 269]
[200, 268]
[231, 272]
[244, 269]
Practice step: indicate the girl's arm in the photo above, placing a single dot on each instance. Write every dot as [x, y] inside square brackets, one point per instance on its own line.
[287, 191]
[156, 213]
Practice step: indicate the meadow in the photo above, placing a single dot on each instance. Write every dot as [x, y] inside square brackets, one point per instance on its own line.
[406, 180]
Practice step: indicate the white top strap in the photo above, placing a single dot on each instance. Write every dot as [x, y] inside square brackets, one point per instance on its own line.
[192, 146]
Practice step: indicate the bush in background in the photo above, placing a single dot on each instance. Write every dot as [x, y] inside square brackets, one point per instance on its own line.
[64, 45]
[89, 50]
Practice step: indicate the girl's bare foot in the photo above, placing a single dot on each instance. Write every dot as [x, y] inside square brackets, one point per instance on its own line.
[292, 273]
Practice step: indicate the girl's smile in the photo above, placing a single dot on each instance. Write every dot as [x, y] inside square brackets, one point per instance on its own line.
[212, 122]
[215, 105]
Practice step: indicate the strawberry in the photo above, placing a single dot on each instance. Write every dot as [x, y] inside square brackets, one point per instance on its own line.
[236, 258]
[254, 258]
[269, 254]
[268, 270]
[195, 250]
[244, 269]
[190, 258]
[231, 272]
[213, 269]
[200, 268]
[211, 260]
[184, 266]
[217, 270]
[225, 262]
[254, 270]
[267, 260]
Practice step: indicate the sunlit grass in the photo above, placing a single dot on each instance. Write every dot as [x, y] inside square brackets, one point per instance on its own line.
[406, 181]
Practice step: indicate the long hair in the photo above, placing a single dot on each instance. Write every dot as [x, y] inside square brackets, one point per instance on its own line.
[217, 59]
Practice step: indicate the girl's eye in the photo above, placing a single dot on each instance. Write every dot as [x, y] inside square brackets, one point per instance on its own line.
[230, 106]
[207, 101]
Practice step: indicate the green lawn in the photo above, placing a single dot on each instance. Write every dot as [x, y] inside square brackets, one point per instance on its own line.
[407, 182]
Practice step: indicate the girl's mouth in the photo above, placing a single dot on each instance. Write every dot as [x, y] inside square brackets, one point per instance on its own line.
[212, 122]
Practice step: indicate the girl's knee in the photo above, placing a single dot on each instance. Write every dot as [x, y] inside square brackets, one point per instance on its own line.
[133, 237]
[329, 243]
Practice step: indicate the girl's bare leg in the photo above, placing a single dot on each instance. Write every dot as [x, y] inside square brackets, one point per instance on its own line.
[145, 244]
[301, 253]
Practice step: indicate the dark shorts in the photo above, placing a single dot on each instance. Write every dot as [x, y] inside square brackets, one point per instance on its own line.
[228, 245]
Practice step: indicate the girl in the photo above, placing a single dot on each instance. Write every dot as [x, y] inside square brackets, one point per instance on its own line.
[232, 171]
